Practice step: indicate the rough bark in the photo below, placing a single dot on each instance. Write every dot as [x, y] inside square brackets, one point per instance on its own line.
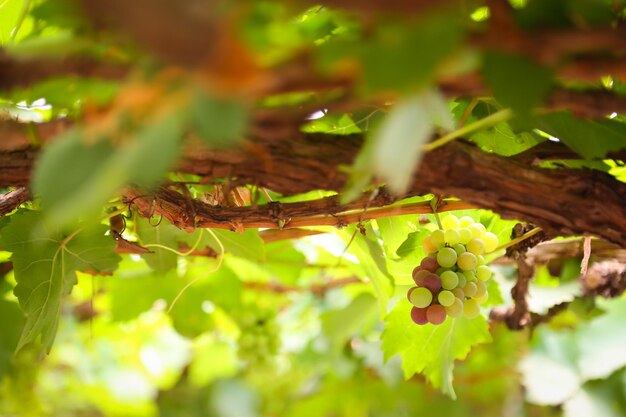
[562, 202]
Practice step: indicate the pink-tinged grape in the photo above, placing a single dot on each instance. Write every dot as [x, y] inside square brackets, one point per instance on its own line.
[446, 298]
[418, 315]
[476, 246]
[462, 279]
[421, 297]
[428, 245]
[467, 261]
[433, 283]
[478, 230]
[466, 221]
[408, 293]
[458, 293]
[446, 257]
[469, 289]
[449, 280]
[429, 264]
[471, 308]
[436, 314]
[455, 309]
[491, 242]
[452, 236]
[465, 235]
[482, 299]
[483, 273]
[437, 238]
[450, 222]
[459, 249]
[481, 289]
[481, 260]
[418, 277]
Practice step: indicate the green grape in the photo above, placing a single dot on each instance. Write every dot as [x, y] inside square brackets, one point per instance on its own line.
[483, 272]
[446, 257]
[476, 246]
[462, 279]
[436, 314]
[483, 299]
[449, 280]
[491, 242]
[477, 229]
[466, 221]
[452, 236]
[481, 260]
[467, 261]
[459, 249]
[450, 222]
[481, 289]
[428, 245]
[471, 308]
[418, 315]
[421, 297]
[469, 289]
[446, 298]
[455, 309]
[441, 270]
[470, 275]
[458, 293]
[465, 235]
[437, 238]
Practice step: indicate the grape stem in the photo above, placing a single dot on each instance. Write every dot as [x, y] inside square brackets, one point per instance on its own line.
[434, 205]
[519, 239]
[493, 119]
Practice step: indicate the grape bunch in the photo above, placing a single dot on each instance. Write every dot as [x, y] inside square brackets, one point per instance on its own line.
[451, 280]
[259, 341]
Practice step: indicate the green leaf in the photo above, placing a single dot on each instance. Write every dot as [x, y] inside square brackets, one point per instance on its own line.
[601, 342]
[549, 372]
[392, 152]
[413, 244]
[431, 350]
[588, 138]
[165, 235]
[516, 81]
[10, 327]
[372, 261]
[339, 325]
[403, 57]
[75, 178]
[398, 141]
[502, 140]
[45, 266]
[219, 122]
[10, 11]
[245, 245]
[66, 92]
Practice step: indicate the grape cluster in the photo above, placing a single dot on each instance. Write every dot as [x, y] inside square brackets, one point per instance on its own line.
[450, 281]
[259, 341]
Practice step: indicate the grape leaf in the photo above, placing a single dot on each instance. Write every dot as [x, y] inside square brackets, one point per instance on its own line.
[165, 235]
[588, 138]
[74, 177]
[10, 328]
[430, 349]
[372, 262]
[532, 82]
[45, 266]
[245, 245]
